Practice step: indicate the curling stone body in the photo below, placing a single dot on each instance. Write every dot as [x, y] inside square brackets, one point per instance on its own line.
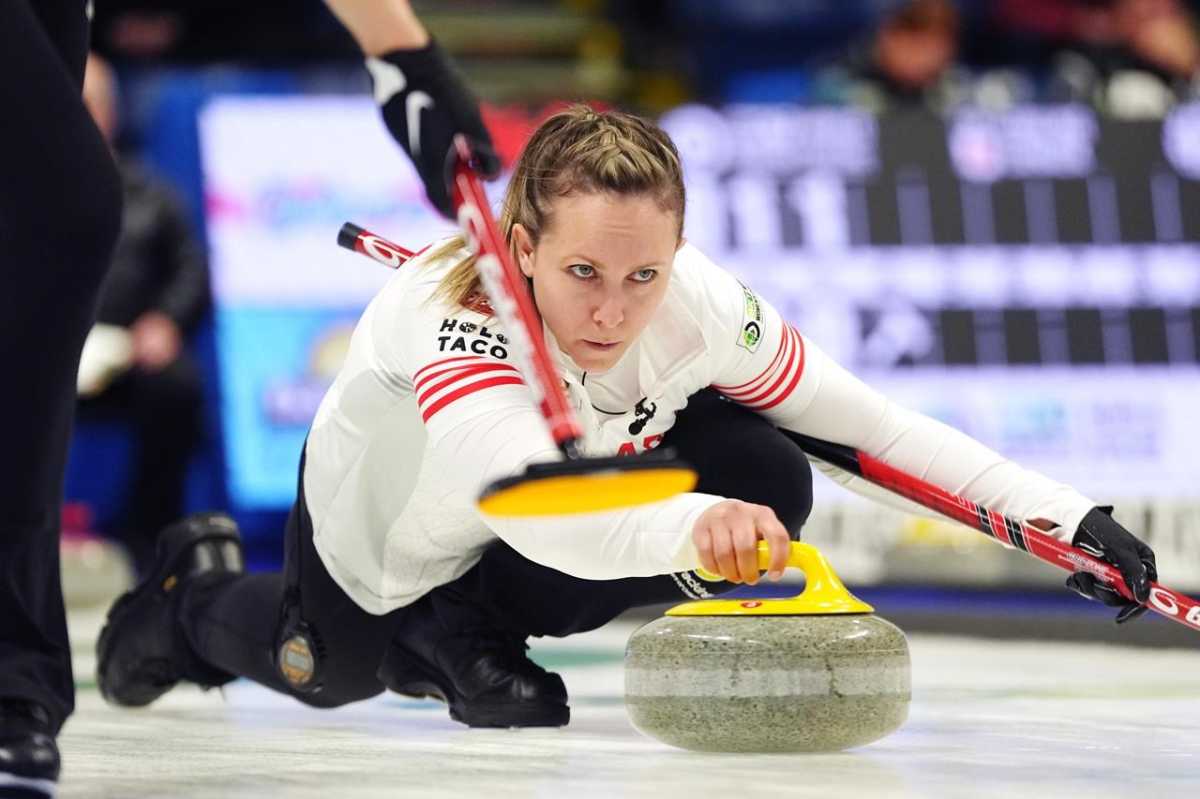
[768, 683]
[817, 673]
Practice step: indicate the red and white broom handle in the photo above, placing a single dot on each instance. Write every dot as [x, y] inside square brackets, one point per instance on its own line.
[377, 248]
[509, 295]
[1172, 604]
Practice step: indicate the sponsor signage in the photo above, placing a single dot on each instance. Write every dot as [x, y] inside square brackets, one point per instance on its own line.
[1040, 292]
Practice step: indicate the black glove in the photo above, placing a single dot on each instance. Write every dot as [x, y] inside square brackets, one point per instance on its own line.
[425, 103]
[1101, 537]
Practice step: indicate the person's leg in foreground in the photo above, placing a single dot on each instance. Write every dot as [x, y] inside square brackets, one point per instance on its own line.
[60, 208]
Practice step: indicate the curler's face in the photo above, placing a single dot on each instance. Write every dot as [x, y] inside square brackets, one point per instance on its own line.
[599, 271]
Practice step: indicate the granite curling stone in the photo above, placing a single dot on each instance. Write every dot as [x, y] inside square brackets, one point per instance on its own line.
[816, 673]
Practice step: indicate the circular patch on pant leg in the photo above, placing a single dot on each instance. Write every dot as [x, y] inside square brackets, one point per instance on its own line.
[296, 661]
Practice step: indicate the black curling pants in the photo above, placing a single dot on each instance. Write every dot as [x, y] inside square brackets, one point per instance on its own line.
[60, 210]
[234, 624]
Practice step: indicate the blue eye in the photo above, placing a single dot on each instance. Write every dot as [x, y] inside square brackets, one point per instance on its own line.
[582, 270]
[644, 275]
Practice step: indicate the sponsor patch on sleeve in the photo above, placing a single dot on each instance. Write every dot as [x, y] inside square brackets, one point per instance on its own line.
[751, 333]
[459, 336]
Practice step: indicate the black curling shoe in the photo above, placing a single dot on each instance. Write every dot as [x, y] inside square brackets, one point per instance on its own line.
[29, 762]
[448, 650]
[141, 653]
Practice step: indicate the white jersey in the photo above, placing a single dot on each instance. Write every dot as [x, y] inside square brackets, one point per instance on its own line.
[429, 408]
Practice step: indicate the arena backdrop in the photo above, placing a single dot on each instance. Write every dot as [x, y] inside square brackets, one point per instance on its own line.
[1031, 277]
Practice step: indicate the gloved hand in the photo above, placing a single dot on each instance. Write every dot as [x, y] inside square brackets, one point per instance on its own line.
[1101, 537]
[425, 103]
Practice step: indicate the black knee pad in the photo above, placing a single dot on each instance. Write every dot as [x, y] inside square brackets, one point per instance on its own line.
[792, 500]
[741, 455]
[795, 463]
[783, 482]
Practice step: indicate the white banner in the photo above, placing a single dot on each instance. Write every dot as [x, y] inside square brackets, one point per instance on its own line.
[281, 175]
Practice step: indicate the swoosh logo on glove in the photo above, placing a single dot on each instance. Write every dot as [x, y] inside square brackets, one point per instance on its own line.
[413, 105]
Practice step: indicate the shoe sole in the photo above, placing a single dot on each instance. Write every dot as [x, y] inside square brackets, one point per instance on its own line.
[420, 682]
[14, 786]
[156, 581]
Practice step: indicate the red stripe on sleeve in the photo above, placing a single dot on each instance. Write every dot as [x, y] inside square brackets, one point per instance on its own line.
[749, 387]
[795, 375]
[417, 377]
[782, 375]
[448, 370]
[459, 393]
[461, 373]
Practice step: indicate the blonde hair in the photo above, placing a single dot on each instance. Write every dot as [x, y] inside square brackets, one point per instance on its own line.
[576, 150]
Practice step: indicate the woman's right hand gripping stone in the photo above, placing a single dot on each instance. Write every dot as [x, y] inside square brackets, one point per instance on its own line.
[726, 537]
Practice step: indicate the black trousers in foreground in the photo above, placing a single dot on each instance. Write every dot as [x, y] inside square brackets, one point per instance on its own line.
[236, 624]
[60, 211]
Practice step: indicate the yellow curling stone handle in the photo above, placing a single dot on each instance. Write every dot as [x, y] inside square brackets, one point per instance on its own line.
[823, 592]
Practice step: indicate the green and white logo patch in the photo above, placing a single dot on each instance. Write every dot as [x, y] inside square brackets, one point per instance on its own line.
[751, 333]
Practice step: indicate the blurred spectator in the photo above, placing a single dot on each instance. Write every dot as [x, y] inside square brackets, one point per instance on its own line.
[156, 291]
[265, 32]
[1089, 43]
[909, 60]
[655, 49]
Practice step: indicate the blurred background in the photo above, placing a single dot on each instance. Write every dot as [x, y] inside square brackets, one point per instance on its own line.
[988, 209]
